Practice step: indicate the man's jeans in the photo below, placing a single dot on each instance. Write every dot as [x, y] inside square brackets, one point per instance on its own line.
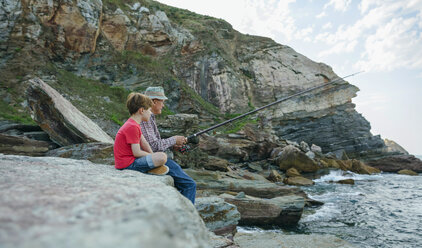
[184, 183]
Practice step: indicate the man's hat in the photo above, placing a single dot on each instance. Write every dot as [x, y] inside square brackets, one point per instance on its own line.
[155, 93]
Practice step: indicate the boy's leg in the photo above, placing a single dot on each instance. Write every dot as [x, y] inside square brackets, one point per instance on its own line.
[184, 183]
[142, 164]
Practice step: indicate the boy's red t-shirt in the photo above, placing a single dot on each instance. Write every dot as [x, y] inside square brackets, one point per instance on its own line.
[129, 133]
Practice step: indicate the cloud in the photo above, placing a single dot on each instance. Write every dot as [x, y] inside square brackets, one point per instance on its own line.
[339, 5]
[398, 44]
[327, 25]
[321, 15]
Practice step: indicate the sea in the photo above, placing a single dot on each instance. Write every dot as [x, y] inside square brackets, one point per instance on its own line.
[382, 210]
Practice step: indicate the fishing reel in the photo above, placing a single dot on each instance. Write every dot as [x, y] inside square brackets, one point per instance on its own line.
[184, 149]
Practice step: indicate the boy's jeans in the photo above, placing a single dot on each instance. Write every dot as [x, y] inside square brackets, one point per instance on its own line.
[184, 183]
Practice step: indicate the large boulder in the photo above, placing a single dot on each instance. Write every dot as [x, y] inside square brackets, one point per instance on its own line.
[65, 124]
[396, 163]
[294, 157]
[50, 202]
[281, 211]
[219, 216]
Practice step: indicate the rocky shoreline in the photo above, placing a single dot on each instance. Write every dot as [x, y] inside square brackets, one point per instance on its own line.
[256, 186]
[67, 67]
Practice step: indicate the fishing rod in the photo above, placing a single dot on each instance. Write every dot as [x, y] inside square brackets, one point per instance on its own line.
[193, 138]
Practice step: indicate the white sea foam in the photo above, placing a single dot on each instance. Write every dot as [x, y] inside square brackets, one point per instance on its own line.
[336, 175]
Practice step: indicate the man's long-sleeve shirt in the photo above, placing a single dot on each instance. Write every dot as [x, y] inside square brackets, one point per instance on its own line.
[150, 131]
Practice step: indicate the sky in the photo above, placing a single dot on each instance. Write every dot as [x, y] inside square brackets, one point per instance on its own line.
[381, 37]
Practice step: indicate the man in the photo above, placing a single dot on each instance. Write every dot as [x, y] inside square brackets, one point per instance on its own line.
[185, 184]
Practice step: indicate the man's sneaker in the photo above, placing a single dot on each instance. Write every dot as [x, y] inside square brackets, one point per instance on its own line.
[159, 171]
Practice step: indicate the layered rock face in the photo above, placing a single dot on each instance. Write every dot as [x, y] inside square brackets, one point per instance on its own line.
[206, 67]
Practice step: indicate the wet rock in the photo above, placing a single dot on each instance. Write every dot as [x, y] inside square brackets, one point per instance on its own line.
[293, 157]
[346, 181]
[277, 240]
[100, 153]
[219, 216]
[304, 146]
[407, 172]
[310, 154]
[64, 123]
[279, 211]
[361, 168]
[275, 176]
[48, 201]
[292, 172]
[316, 149]
[298, 181]
[396, 163]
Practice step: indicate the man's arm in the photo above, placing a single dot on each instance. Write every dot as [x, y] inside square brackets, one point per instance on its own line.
[152, 136]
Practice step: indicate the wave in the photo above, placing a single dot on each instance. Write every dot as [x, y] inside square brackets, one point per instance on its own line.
[336, 175]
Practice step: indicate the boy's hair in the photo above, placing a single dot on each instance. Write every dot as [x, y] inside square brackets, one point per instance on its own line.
[135, 101]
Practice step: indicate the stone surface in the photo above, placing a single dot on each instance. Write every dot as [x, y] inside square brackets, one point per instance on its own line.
[101, 153]
[292, 157]
[65, 124]
[407, 172]
[23, 146]
[219, 216]
[275, 176]
[281, 211]
[214, 181]
[292, 172]
[361, 168]
[298, 181]
[396, 163]
[393, 147]
[178, 124]
[216, 164]
[346, 181]
[49, 201]
[277, 240]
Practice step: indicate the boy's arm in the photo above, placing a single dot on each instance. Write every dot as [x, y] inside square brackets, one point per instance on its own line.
[145, 145]
[137, 152]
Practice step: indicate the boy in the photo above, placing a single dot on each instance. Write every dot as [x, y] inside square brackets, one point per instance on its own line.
[129, 140]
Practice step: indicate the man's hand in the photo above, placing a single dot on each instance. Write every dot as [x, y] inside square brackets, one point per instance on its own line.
[180, 140]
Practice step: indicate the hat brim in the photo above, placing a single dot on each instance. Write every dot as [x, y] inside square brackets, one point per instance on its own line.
[158, 97]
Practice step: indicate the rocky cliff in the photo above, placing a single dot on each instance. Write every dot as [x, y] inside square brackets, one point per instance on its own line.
[93, 52]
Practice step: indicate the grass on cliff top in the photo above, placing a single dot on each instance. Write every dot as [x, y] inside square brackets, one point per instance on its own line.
[93, 98]
[149, 66]
[15, 113]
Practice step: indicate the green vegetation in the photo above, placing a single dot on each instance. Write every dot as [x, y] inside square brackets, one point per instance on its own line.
[166, 111]
[12, 113]
[237, 125]
[93, 98]
[155, 68]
